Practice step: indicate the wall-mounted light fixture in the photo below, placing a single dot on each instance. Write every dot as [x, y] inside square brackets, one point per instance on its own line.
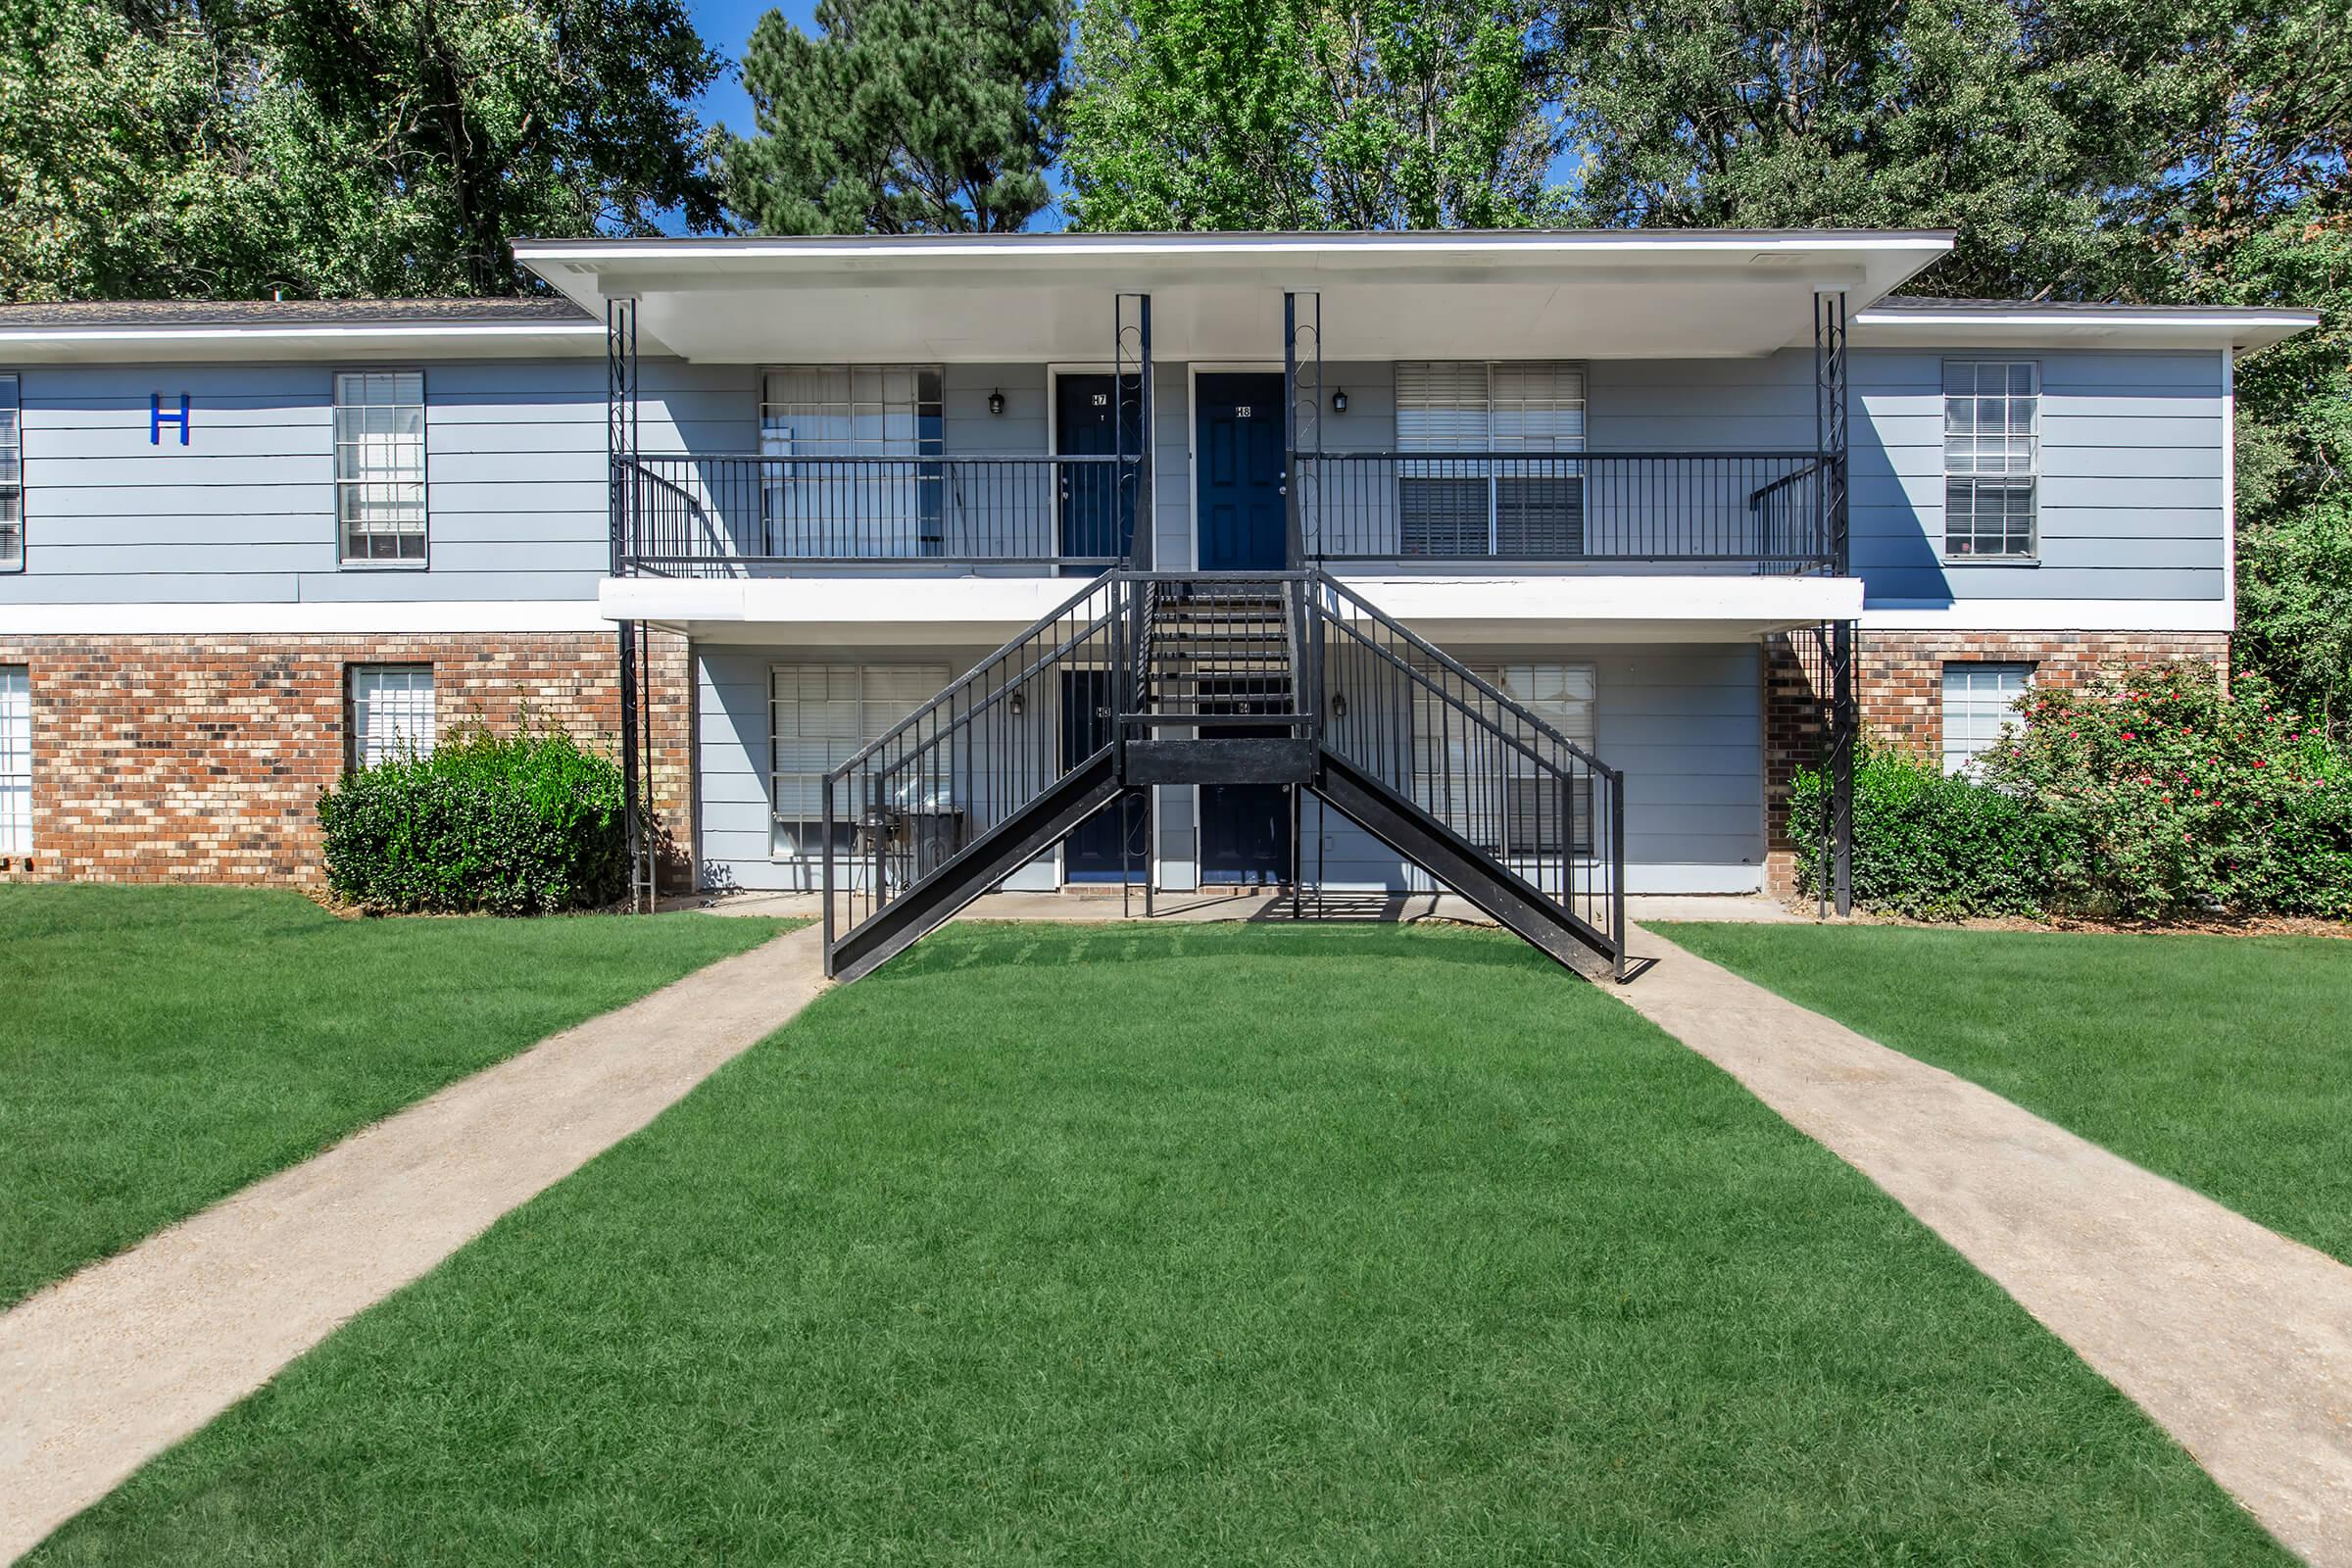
[1338, 705]
[1338, 400]
[1015, 704]
[996, 403]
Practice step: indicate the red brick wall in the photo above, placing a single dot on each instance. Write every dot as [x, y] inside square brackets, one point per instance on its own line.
[160, 759]
[1900, 685]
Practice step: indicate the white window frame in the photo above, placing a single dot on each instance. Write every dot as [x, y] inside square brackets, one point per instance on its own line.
[854, 511]
[374, 469]
[1988, 448]
[12, 471]
[880, 695]
[1972, 725]
[378, 694]
[16, 760]
[1490, 406]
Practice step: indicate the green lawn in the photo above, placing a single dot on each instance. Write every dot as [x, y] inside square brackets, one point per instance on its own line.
[1249, 1244]
[2224, 1062]
[161, 1048]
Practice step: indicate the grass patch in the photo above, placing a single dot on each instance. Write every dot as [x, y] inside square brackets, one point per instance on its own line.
[165, 1047]
[2223, 1062]
[1185, 1245]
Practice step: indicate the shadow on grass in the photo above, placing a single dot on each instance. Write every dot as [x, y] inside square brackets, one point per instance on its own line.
[1010, 945]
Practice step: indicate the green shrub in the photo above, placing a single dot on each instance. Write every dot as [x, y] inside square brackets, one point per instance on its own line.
[519, 824]
[1928, 846]
[2149, 794]
[2171, 796]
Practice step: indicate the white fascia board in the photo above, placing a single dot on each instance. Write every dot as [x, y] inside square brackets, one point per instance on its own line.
[337, 618]
[949, 609]
[815, 249]
[919, 609]
[225, 341]
[2052, 614]
[2117, 328]
[1619, 608]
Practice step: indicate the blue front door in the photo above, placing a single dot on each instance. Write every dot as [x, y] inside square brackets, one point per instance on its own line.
[1097, 499]
[1239, 486]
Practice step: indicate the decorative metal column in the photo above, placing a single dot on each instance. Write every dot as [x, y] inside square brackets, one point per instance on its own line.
[1302, 422]
[1131, 382]
[1830, 440]
[621, 452]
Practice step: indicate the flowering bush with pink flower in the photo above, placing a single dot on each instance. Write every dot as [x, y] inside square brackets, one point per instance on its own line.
[2151, 793]
[2173, 796]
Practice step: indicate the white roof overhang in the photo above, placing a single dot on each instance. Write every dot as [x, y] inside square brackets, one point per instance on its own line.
[2121, 326]
[231, 341]
[1218, 297]
[973, 611]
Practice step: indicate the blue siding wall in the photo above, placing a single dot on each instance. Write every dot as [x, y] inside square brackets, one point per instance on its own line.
[2131, 503]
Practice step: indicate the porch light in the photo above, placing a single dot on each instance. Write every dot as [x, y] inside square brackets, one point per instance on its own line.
[1338, 705]
[1016, 705]
[996, 403]
[1338, 400]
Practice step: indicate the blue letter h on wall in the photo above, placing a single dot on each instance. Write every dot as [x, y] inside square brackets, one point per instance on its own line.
[156, 418]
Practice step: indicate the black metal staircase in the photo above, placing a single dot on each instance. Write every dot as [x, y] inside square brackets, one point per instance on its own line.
[1222, 678]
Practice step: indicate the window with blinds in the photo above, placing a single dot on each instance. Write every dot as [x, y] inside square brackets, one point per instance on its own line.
[1978, 701]
[16, 760]
[379, 466]
[883, 498]
[1536, 816]
[391, 709]
[818, 716]
[12, 478]
[1499, 477]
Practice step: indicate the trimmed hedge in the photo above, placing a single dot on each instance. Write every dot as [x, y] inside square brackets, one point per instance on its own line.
[1929, 846]
[520, 824]
[2149, 794]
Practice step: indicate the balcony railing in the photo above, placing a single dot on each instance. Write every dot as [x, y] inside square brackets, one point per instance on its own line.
[740, 516]
[729, 515]
[1756, 509]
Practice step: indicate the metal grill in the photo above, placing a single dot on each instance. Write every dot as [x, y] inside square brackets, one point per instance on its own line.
[700, 516]
[1756, 509]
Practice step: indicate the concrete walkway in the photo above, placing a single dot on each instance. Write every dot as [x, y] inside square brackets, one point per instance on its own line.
[109, 1368]
[2236, 1340]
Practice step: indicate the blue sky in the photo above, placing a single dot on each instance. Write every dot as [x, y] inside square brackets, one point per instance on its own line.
[726, 26]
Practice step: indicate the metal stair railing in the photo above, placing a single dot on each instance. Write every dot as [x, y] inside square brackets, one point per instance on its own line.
[1493, 774]
[906, 807]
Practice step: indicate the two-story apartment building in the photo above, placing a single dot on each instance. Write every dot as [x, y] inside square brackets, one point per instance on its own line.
[1649, 487]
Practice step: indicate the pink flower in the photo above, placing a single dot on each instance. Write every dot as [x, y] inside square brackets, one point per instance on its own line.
[2128, 735]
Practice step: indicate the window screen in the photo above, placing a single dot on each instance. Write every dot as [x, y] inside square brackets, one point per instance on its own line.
[1992, 456]
[16, 760]
[391, 713]
[880, 498]
[1977, 701]
[379, 465]
[819, 716]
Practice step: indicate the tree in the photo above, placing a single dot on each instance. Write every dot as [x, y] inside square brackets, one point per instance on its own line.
[902, 117]
[1307, 113]
[2251, 204]
[335, 147]
[2002, 121]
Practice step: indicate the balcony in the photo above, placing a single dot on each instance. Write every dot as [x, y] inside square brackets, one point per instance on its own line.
[755, 515]
[749, 516]
[1756, 510]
